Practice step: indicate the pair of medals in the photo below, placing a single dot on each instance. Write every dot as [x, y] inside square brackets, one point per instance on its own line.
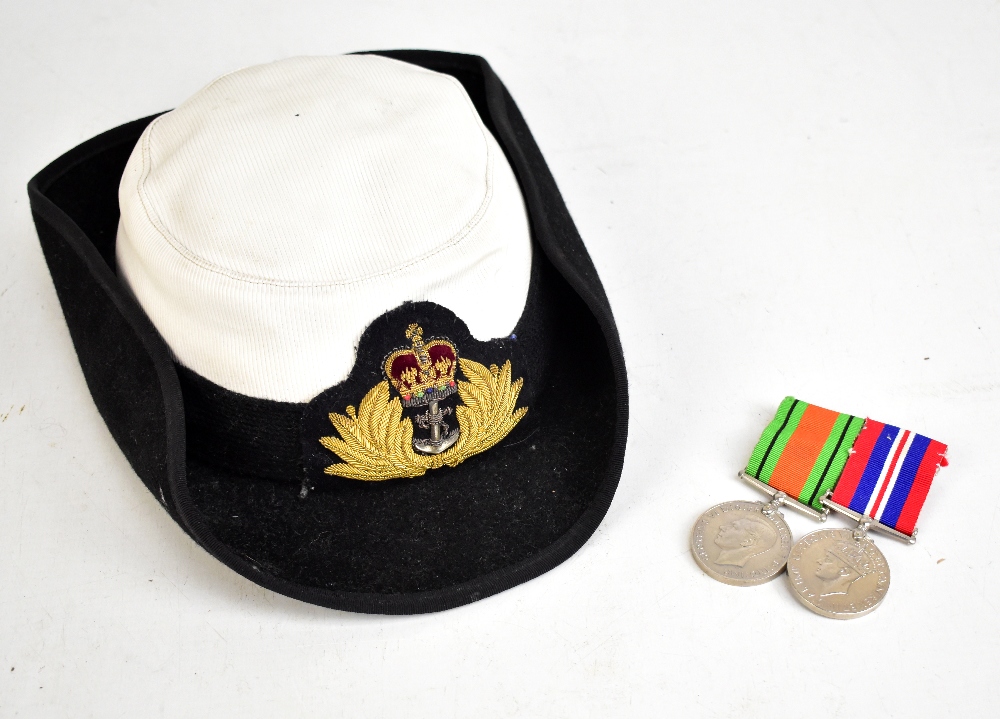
[814, 460]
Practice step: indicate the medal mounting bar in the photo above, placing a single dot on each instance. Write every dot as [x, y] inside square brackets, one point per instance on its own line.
[781, 498]
[866, 522]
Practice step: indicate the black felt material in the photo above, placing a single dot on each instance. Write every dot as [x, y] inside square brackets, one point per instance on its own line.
[402, 546]
[448, 526]
[77, 234]
[119, 374]
[240, 435]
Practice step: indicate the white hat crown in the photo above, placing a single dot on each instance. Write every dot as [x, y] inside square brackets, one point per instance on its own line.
[268, 220]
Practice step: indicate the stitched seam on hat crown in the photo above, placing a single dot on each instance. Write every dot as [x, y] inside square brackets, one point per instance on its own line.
[195, 259]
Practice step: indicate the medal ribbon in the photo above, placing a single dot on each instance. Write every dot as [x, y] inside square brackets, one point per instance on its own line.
[803, 450]
[889, 473]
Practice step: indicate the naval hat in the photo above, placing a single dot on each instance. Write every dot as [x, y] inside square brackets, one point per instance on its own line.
[335, 313]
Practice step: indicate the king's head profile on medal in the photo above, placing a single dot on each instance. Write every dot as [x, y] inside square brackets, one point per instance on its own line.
[742, 539]
[843, 564]
[336, 315]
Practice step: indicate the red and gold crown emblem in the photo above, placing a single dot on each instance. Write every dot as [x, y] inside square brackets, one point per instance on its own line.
[377, 441]
[424, 372]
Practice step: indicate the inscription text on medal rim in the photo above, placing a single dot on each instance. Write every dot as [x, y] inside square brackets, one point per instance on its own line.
[860, 595]
[756, 567]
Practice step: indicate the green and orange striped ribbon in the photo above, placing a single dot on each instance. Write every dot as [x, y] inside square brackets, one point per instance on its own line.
[803, 450]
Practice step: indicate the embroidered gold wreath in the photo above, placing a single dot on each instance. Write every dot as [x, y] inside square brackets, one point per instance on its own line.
[376, 442]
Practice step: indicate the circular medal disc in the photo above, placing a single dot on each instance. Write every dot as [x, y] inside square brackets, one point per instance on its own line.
[736, 543]
[836, 575]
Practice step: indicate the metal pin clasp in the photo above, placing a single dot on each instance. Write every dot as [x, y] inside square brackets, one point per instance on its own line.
[777, 500]
[861, 531]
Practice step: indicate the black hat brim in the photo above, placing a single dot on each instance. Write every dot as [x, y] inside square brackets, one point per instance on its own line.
[404, 546]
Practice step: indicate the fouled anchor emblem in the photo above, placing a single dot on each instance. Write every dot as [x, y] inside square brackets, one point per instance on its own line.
[424, 374]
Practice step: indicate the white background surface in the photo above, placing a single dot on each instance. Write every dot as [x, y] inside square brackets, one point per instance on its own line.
[782, 198]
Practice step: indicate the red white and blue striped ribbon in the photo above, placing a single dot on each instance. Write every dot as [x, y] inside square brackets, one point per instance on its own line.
[889, 473]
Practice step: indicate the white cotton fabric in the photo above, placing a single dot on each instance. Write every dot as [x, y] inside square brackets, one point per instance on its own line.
[268, 220]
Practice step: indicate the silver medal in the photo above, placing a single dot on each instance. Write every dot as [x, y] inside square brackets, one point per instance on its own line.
[838, 573]
[741, 543]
